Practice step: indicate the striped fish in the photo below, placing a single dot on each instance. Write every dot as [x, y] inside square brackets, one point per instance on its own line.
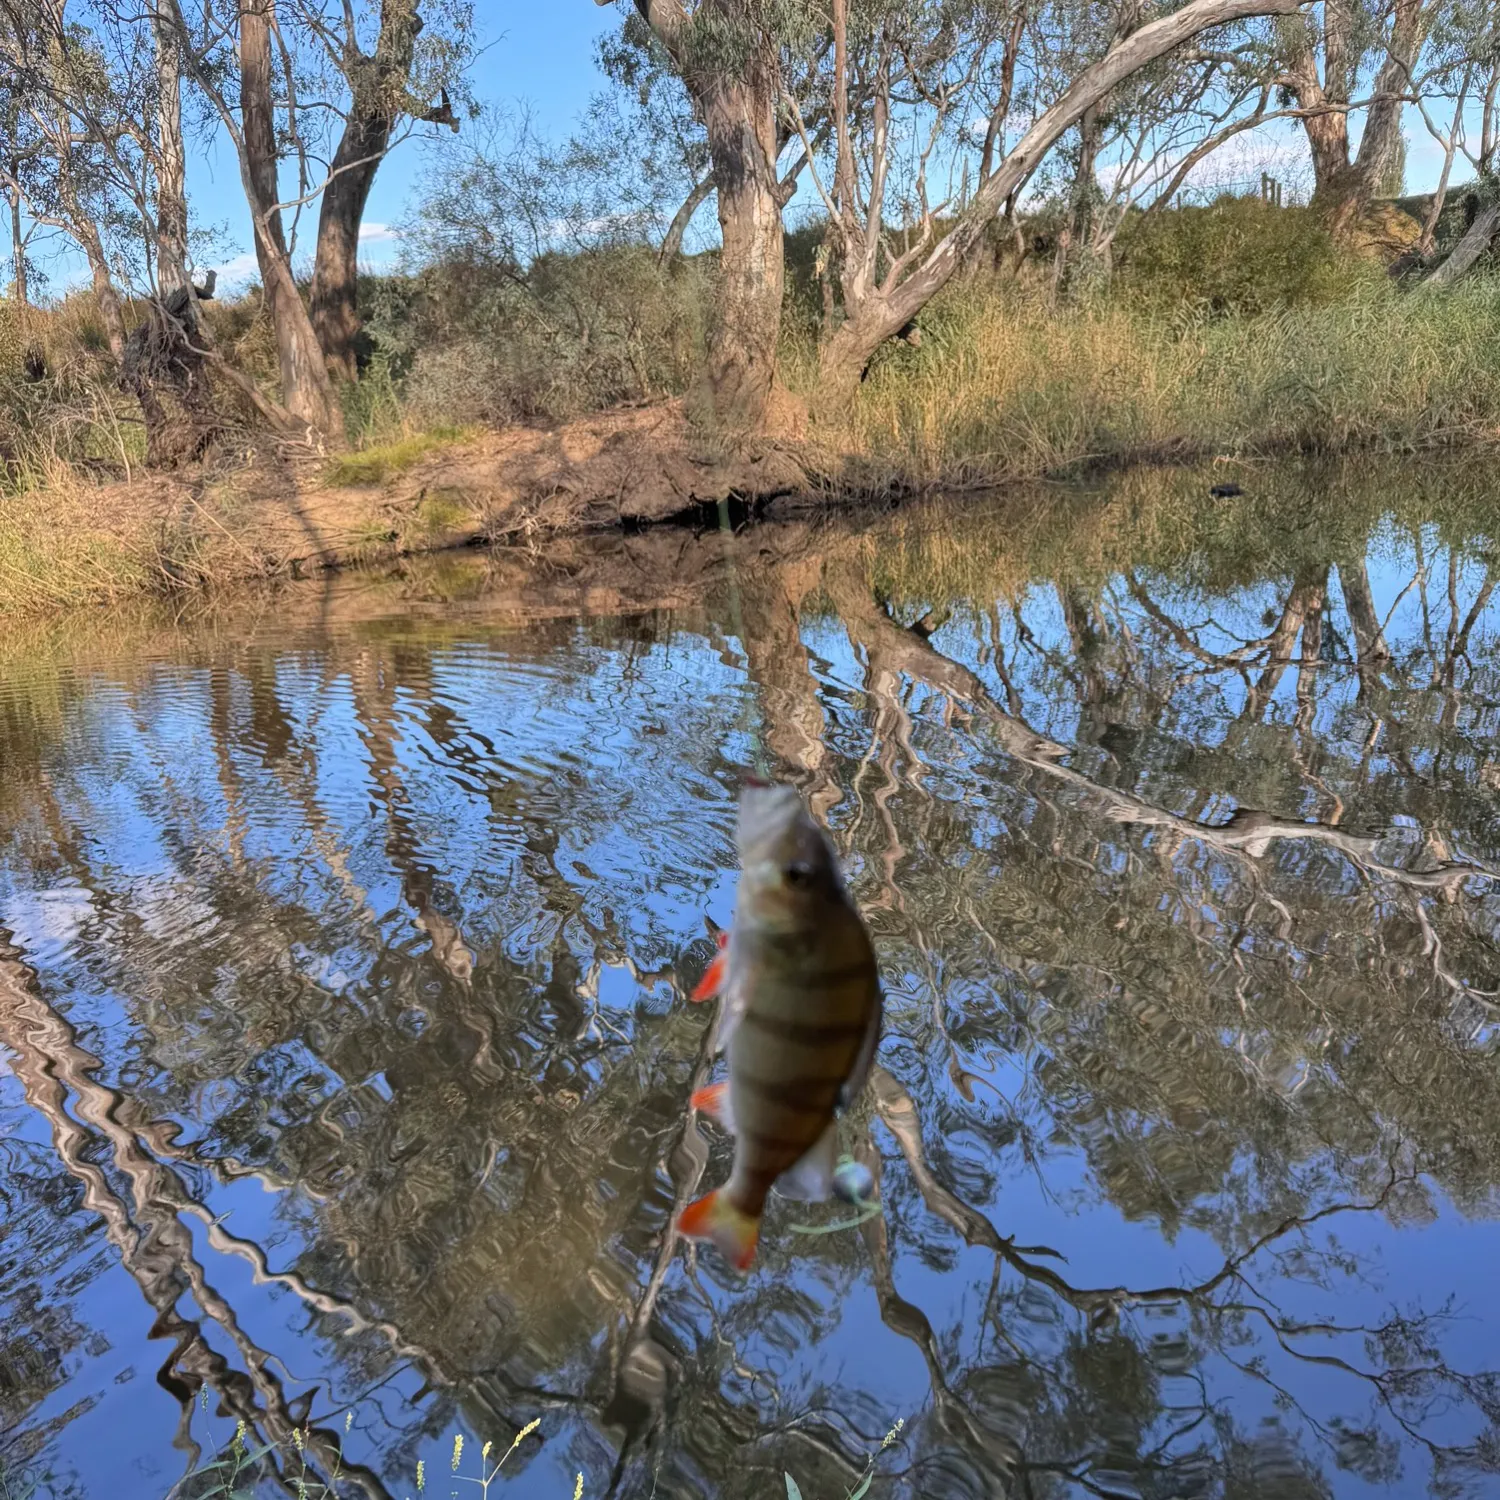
[799, 1020]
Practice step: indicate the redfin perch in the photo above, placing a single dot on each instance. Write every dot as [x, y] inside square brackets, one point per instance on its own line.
[801, 1019]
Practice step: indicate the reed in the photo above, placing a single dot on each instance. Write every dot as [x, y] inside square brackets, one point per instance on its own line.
[311, 1464]
[1005, 386]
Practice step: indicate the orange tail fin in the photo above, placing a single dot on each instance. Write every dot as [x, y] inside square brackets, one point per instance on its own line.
[712, 981]
[715, 1218]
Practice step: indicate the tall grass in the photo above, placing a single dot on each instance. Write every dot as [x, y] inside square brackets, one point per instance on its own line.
[1006, 386]
[1234, 330]
[51, 557]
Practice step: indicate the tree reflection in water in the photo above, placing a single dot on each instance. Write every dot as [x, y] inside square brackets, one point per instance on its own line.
[342, 973]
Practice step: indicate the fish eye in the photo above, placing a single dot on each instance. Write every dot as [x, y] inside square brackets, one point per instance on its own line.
[799, 872]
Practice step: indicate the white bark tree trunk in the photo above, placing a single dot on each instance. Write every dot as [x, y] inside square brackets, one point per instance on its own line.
[847, 351]
[171, 158]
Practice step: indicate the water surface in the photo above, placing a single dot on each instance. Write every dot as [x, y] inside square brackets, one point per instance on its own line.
[344, 1054]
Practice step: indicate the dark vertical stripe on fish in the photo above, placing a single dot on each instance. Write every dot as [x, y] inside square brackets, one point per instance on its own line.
[811, 1032]
[788, 1093]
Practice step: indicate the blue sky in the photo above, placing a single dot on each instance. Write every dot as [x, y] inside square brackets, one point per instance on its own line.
[542, 54]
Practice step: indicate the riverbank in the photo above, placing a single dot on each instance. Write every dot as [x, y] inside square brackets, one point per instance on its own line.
[270, 517]
[1154, 520]
[999, 390]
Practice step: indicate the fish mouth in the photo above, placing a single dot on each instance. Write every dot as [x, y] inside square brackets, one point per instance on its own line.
[758, 782]
[773, 823]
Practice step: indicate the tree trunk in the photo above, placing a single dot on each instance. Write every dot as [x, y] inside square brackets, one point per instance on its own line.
[737, 104]
[171, 193]
[845, 353]
[1487, 121]
[335, 284]
[17, 243]
[379, 86]
[105, 295]
[1344, 189]
[671, 245]
[1075, 245]
[1450, 147]
[1328, 142]
[740, 117]
[305, 388]
[1475, 242]
[81, 223]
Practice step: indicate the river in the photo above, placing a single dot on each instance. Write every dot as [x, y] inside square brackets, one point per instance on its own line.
[345, 938]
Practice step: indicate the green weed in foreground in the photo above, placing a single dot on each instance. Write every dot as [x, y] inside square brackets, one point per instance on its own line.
[378, 464]
[865, 1480]
[22, 1485]
[307, 1465]
[241, 1465]
[488, 1475]
[310, 1466]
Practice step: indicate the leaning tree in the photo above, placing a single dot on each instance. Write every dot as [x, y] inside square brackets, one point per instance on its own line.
[768, 77]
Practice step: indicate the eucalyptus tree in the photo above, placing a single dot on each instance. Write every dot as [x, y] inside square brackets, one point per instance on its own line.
[68, 147]
[1328, 55]
[883, 292]
[646, 120]
[888, 78]
[335, 91]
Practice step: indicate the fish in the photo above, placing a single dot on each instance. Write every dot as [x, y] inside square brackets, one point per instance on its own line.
[799, 1022]
[713, 976]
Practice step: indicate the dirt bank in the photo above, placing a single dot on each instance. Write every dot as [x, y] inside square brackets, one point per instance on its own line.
[284, 517]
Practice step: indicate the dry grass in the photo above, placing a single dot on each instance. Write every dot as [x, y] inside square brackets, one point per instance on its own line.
[62, 547]
[1005, 387]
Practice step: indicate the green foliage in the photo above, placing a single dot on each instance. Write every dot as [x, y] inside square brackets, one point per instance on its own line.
[378, 464]
[867, 1477]
[536, 293]
[372, 404]
[573, 334]
[1237, 255]
[310, 1463]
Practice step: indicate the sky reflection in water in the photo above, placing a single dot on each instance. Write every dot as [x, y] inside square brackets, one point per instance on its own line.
[346, 1056]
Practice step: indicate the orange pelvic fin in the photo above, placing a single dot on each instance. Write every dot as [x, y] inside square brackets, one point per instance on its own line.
[713, 1101]
[713, 978]
[716, 1219]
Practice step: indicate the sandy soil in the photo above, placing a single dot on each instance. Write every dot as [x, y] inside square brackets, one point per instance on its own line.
[619, 470]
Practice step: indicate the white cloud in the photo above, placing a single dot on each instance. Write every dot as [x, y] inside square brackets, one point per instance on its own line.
[239, 272]
[48, 919]
[236, 274]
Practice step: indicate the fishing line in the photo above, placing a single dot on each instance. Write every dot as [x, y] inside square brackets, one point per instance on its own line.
[749, 722]
[868, 1208]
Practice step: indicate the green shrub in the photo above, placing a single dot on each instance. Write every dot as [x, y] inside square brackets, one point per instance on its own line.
[1237, 255]
[572, 333]
[372, 405]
